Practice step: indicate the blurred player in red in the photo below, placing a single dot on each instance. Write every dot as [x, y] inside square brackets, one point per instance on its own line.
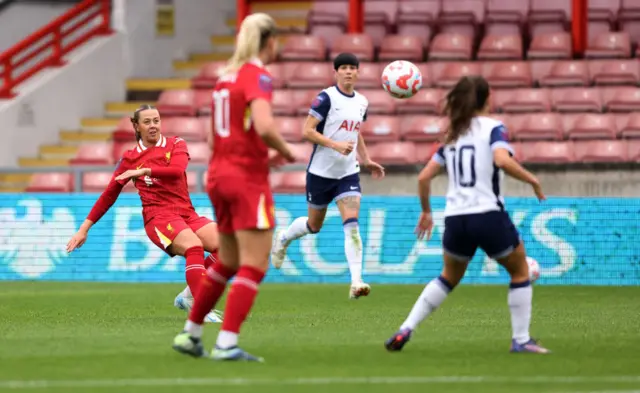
[239, 190]
[157, 168]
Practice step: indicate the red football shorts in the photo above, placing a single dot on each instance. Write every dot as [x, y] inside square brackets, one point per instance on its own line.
[163, 229]
[241, 205]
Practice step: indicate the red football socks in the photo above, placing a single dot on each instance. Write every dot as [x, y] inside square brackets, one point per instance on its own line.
[211, 259]
[195, 267]
[241, 297]
[212, 287]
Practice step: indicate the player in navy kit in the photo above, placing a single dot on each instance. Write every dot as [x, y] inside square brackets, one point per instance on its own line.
[475, 154]
[333, 126]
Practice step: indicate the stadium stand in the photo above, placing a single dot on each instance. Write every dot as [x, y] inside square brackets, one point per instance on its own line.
[559, 109]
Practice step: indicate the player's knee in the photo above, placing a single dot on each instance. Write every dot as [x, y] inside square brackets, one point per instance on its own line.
[314, 226]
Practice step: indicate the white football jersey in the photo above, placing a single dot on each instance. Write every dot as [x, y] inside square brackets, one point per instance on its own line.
[475, 182]
[341, 117]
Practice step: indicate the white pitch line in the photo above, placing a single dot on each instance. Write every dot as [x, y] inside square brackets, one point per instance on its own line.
[97, 383]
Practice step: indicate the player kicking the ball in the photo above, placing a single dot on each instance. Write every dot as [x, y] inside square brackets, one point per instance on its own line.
[475, 153]
[333, 126]
[157, 166]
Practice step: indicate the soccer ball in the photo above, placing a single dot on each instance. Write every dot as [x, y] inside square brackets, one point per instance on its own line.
[534, 269]
[401, 79]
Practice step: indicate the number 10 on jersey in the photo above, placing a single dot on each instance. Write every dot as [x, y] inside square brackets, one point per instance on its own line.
[221, 112]
[462, 162]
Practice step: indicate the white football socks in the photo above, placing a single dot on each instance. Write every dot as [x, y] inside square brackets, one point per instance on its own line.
[353, 249]
[430, 299]
[519, 300]
[296, 230]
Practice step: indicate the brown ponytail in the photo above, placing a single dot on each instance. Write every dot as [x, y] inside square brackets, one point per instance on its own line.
[136, 118]
[466, 98]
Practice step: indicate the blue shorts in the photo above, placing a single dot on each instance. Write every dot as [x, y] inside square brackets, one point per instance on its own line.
[322, 191]
[493, 232]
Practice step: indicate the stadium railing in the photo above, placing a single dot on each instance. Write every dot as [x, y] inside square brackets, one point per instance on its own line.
[47, 46]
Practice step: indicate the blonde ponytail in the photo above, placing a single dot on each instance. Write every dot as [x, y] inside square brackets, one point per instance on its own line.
[255, 30]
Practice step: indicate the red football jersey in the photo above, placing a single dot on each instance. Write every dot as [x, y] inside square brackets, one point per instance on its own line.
[167, 195]
[238, 150]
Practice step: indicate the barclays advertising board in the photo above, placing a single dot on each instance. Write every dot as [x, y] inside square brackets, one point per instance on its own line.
[577, 241]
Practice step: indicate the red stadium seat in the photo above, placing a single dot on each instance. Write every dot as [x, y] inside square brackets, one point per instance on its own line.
[119, 148]
[506, 16]
[206, 125]
[602, 16]
[199, 153]
[629, 19]
[507, 73]
[360, 45]
[522, 100]
[328, 19]
[621, 99]
[203, 101]
[393, 153]
[380, 102]
[501, 47]
[395, 47]
[381, 128]
[548, 152]
[614, 72]
[277, 74]
[425, 101]
[425, 151]
[311, 75]
[289, 182]
[590, 126]
[600, 151]
[462, 16]
[302, 100]
[446, 75]
[609, 45]
[418, 18]
[304, 48]
[633, 151]
[379, 17]
[93, 154]
[124, 131]
[551, 46]
[423, 128]
[628, 125]
[283, 103]
[566, 73]
[187, 128]
[95, 181]
[304, 151]
[50, 182]
[369, 75]
[451, 46]
[290, 128]
[208, 75]
[536, 127]
[178, 102]
[549, 16]
[576, 99]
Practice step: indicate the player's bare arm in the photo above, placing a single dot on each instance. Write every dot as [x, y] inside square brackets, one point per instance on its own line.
[425, 222]
[265, 126]
[503, 160]
[376, 169]
[310, 133]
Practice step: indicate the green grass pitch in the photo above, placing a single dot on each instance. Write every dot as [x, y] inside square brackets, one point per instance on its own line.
[89, 337]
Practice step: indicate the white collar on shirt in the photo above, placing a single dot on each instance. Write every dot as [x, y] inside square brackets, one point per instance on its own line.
[162, 142]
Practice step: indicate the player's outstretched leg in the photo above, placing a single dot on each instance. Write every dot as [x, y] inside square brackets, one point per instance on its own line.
[430, 299]
[519, 299]
[283, 237]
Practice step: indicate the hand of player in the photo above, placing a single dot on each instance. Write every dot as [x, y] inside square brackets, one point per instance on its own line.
[376, 169]
[345, 148]
[132, 173]
[76, 241]
[425, 226]
[537, 189]
[276, 159]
